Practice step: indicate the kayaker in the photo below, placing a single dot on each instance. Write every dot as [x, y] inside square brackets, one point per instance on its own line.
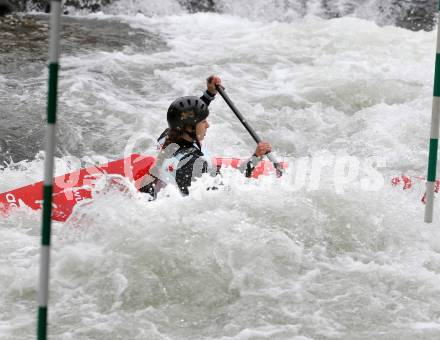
[181, 158]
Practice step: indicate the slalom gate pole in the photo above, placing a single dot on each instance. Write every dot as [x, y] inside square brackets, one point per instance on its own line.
[257, 139]
[54, 48]
[433, 142]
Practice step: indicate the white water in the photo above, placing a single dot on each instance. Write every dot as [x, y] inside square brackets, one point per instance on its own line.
[255, 260]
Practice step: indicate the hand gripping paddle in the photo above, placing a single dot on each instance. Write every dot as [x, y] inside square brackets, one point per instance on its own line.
[278, 167]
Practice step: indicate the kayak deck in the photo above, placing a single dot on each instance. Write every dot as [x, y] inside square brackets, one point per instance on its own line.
[71, 188]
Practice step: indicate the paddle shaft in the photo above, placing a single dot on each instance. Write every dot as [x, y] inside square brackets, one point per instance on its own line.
[249, 128]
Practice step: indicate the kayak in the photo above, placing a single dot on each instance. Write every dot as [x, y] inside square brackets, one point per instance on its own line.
[71, 188]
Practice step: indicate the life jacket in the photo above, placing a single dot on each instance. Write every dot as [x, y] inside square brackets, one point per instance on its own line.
[176, 159]
[178, 165]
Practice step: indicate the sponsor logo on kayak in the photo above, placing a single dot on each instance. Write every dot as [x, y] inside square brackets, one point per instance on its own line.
[10, 198]
[77, 195]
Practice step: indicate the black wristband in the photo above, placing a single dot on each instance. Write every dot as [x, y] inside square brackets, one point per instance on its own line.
[211, 94]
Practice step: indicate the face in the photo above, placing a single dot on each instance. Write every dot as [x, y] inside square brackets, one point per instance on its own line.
[201, 128]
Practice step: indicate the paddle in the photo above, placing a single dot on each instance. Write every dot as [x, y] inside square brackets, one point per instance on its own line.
[257, 139]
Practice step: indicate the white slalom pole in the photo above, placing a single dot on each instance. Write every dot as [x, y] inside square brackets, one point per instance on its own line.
[433, 142]
[54, 48]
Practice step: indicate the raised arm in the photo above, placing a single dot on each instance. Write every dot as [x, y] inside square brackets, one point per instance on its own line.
[210, 92]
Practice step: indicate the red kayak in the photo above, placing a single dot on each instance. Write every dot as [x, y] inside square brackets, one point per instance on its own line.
[73, 187]
[414, 183]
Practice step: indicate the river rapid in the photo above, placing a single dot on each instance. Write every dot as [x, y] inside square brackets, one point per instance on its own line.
[329, 251]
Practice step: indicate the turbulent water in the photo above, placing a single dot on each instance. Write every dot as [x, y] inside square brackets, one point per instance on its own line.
[341, 255]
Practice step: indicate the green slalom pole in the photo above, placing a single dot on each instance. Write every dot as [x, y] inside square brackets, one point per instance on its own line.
[54, 48]
[433, 142]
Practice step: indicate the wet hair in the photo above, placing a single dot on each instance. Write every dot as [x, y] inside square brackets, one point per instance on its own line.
[174, 136]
